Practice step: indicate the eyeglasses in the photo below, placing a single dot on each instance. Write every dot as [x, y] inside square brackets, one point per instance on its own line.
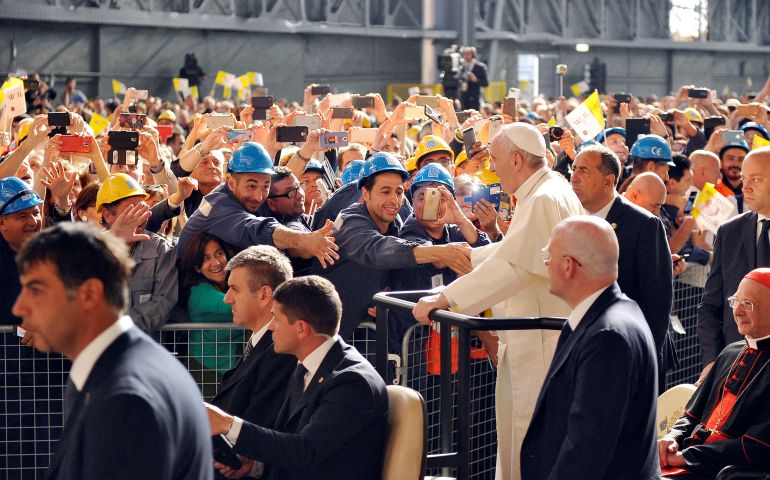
[547, 257]
[735, 301]
[291, 194]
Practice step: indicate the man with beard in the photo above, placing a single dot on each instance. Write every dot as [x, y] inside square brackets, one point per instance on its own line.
[731, 185]
[231, 212]
[286, 203]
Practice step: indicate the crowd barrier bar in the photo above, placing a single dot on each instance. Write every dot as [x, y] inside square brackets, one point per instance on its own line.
[385, 301]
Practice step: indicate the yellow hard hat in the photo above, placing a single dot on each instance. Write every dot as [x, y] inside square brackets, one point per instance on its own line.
[461, 157]
[693, 115]
[431, 144]
[411, 164]
[487, 176]
[24, 126]
[167, 115]
[413, 132]
[117, 187]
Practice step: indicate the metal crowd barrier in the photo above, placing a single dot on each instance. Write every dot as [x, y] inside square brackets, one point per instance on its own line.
[454, 454]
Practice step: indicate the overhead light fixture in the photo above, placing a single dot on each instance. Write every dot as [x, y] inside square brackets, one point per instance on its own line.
[582, 47]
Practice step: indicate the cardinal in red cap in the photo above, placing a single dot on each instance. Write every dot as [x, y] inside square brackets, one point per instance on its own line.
[727, 420]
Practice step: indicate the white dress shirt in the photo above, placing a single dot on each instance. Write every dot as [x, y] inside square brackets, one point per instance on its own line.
[312, 362]
[605, 210]
[85, 361]
[257, 336]
[760, 217]
[581, 308]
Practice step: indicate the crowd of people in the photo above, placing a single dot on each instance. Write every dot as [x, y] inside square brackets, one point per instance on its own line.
[254, 214]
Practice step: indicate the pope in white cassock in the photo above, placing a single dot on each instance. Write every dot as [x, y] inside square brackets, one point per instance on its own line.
[510, 277]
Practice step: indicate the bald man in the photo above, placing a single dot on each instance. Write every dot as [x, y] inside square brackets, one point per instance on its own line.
[705, 168]
[741, 245]
[595, 415]
[648, 191]
[727, 420]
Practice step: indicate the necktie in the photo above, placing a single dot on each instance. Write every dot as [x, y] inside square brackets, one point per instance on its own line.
[246, 353]
[566, 331]
[70, 395]
[297, 386]
[763, 245]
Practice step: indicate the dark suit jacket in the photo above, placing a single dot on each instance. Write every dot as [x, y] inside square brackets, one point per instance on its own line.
[336, 431]
[254, 389]
[139, 415]
[735, 255]
[644, 267]
[595, 416]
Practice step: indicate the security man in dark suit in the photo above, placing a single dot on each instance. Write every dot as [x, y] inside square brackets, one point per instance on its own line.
[334, 418]
[475, 75]
[595, 415]
[255, 387]
[741, 245]
[644, 267]
[131, 410]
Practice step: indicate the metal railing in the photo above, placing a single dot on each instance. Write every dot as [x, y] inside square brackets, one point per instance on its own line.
[459, 459]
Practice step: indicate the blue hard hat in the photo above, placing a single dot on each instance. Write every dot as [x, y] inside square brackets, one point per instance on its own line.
[652, 147]
[742, 145]
[314, 166]
[587, 143]
[16, 195]
[251, 157]
[755, 126]
[434, 173]
[382, 162]
[352, 171]
[610, 131]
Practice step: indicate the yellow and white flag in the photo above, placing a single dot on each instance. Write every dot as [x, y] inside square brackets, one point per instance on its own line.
[711, 209]
[13, 97]
[579, 88]
[223, 78]
[587, 119]
[118, 88]
[98, 124]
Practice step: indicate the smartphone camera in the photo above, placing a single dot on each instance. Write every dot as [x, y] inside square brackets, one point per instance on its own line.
[698, 92]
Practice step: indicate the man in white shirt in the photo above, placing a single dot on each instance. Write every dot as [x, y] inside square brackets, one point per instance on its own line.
[254, 389]
[131, 409]
[334, 418]
[509, 277]
[595, 415]
[644, 265]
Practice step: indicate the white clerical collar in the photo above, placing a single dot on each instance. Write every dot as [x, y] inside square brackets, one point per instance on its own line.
[581, 308]
[313, 361]
[85, 361]
[526, 188]
[753, 341]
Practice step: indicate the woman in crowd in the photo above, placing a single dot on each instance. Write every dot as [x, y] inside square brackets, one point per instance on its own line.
[212, 352]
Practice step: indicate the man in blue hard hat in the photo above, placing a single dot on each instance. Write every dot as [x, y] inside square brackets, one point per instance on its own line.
[651, 153]
[751, 129]
[20, 220]
[315, 195]
[352, 172]
[367, 234]
[231, 211]
[615, 139]
[450, 225]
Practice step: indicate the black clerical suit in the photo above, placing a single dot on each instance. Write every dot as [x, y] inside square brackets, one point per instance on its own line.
[335, 430]
[254, 389]
[595, 415]
[710, 434]
[735, 255]
[138, 416]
